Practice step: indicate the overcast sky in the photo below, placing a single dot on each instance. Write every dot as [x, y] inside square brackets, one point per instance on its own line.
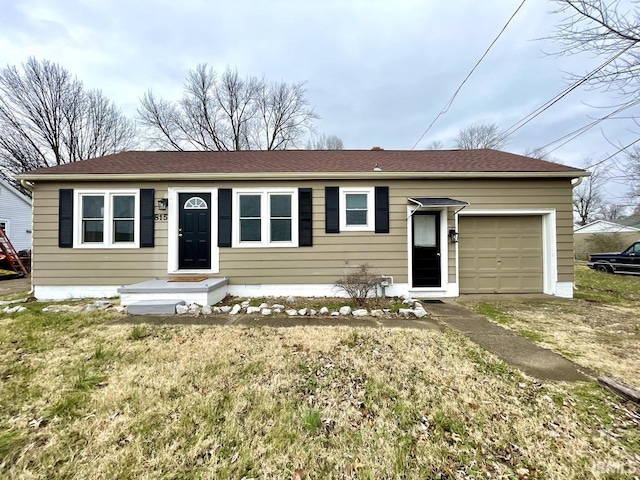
[377, 72]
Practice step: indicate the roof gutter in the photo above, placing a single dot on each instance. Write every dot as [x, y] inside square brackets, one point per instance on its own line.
[100, 177]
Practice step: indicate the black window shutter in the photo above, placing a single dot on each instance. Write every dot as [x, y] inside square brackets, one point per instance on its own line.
[65, 218]
[224, 217]
[147, 213]
[331, 210]
[382, 209]
[305, 214]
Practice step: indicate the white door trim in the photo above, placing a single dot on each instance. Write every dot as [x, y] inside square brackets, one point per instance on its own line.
[549, 242]
[444, 250]
[173, 212]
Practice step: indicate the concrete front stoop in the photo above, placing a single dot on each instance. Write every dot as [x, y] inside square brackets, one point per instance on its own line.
[161, 296]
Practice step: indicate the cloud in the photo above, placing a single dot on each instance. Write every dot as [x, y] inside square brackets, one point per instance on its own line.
[377, 72]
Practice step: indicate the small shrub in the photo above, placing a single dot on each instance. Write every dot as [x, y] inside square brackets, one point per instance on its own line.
[606, 242]
[359, 284]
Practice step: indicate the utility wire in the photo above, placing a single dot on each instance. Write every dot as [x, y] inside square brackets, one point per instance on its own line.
[548, 104]
[612, 155]
[576, 133]
[445, 109]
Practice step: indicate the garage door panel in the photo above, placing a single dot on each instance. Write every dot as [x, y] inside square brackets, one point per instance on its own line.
[501, 254]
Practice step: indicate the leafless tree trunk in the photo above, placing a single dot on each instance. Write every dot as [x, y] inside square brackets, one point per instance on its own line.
[228, 112]
[480, 136]
[47, 118]
[587, 198]
[325, 142]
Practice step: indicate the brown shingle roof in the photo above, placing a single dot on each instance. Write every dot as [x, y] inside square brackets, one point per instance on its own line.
[304, 161]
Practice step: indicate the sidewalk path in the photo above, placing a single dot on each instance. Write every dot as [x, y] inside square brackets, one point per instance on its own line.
[514, 349]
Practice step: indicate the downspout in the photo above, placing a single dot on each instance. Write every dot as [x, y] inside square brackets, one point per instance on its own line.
[26, 185]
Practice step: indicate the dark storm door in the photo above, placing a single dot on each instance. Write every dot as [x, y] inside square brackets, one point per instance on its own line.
[426, 267]
[194, 231]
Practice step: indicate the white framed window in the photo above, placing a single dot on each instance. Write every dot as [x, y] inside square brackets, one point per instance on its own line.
[357, 209]
[106, 218]
[265, 217]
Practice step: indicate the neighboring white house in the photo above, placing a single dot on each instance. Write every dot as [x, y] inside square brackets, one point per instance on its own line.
[619, 236]
[604, 226]
[15, 216]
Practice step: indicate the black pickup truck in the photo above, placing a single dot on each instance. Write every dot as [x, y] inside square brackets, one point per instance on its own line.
[627, 261]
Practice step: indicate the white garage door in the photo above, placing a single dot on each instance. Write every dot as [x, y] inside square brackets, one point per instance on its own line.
[501, 254]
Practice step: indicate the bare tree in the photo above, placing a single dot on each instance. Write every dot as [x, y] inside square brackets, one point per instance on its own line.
[325, 142]
[435, 145]
[587, 197]
[606, 28]
[613, 211]
[480, 136]
[48, 118]
[536, 152]
[633, 172]
[228, 112]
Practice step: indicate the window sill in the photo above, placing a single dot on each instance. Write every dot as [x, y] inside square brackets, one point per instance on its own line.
[264, 245]
[356, 228]
[104, 246]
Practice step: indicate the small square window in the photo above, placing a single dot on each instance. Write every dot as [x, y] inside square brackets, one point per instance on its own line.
[356, 209]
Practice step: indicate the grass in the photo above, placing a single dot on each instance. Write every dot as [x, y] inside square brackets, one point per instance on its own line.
[491, 311]
[599, 329]
[605, 287]
[89, 398]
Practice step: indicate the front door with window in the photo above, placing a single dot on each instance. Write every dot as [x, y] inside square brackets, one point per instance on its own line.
[194, 231]
[426, 267]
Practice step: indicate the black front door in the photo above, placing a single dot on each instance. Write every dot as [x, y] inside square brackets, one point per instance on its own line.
[194, 231]
[426, 250]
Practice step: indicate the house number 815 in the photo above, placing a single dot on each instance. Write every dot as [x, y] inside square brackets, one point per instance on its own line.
[159, 217]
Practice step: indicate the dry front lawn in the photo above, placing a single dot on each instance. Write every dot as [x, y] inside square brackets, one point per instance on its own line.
[599, 329]
[84, 397]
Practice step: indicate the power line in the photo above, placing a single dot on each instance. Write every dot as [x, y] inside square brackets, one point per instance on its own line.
[549, 103]
[576, 133]
[446, 107]
[612, 155]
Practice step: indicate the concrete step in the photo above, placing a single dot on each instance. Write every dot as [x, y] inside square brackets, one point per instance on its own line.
[154, 307]
[208, 291]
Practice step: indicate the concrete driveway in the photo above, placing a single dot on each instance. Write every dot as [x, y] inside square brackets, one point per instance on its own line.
[15, 285]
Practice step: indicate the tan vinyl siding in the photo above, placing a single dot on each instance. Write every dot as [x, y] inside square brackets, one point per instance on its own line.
[322, 263]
